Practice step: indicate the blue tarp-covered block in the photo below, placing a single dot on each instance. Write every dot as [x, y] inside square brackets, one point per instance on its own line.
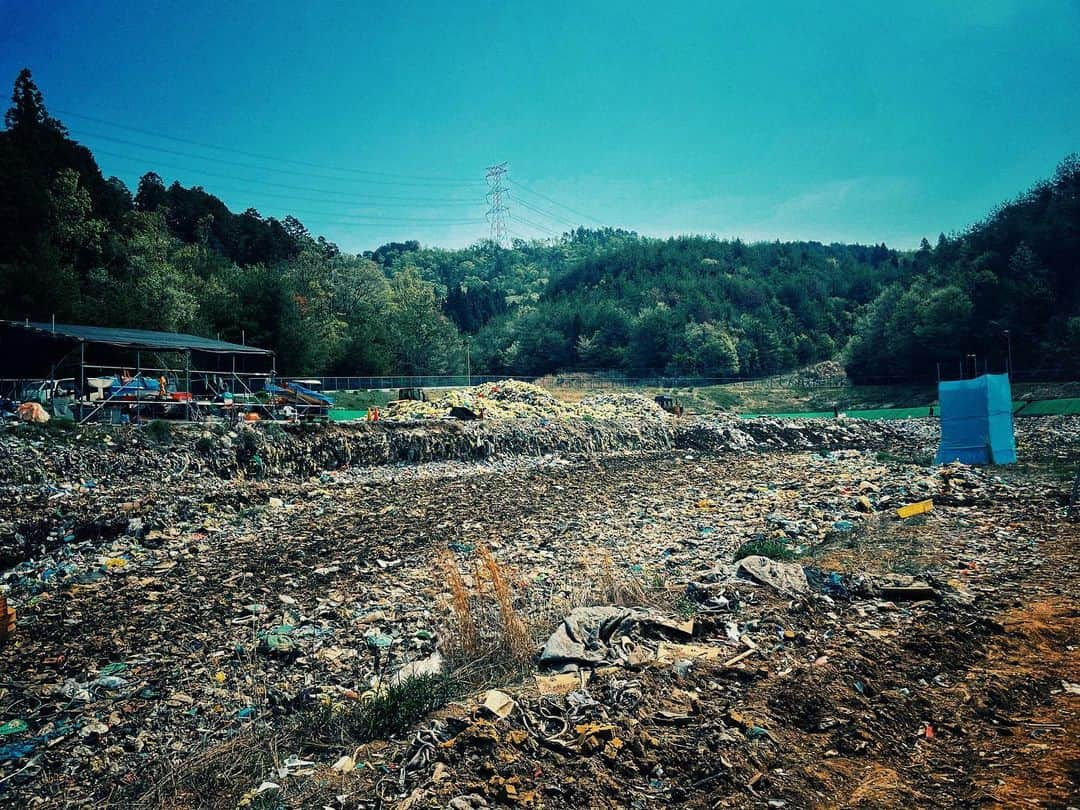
[976, 421]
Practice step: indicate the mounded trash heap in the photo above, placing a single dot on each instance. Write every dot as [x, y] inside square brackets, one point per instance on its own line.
[512, 399]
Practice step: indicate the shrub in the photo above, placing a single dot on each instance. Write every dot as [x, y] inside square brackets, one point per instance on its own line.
[773, 549]
[160, 431]
[391, 710]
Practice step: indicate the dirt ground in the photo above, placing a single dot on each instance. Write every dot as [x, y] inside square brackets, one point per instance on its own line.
[832, 698]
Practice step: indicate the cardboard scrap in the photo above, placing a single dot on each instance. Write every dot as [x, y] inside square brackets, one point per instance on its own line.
[562, 683]
[669, 652]
[499, 703]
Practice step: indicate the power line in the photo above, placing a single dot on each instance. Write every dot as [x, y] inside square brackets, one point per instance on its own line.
[496, 213]
[204, 145]
[360, 201]
[246, 180]
[547, 214]
[369, 218]
[386, 202]
[410, 223]
[375, 218]
[308, 175]
[531, 224]
[525, 188]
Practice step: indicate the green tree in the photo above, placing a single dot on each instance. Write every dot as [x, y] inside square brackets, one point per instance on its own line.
[27, 112]
[708, 349]
[423, 340]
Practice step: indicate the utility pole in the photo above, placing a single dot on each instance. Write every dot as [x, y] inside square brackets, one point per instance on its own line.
[496, 213]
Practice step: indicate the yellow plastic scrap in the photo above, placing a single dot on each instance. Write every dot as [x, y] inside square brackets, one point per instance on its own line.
[917, 508]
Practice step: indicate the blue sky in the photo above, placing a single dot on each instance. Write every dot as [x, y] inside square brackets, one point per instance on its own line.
[835, 121]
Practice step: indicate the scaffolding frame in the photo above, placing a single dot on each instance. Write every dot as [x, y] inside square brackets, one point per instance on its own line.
[174, 356]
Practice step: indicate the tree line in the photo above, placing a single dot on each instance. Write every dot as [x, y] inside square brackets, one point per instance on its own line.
[84, 248]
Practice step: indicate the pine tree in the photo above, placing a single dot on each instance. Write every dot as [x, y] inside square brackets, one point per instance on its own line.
[28, 111]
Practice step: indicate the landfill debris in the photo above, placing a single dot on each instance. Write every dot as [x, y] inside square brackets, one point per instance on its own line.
[499, 703]
[8, 619]
[344, 764]
[562, 683]
[917, 508]
[512, 399]
[784, 577]
[33, 412]
[434, 664]
[176, 626]
[591, 636]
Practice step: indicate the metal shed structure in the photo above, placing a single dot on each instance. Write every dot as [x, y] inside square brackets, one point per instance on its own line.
[201, 366]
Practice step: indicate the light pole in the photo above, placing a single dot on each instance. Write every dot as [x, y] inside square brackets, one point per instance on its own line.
[468, 363]
[1008, 342]
[974, 365]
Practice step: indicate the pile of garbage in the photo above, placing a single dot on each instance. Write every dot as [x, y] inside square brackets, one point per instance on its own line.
[827, 371]
[187, 605]
[620, 406]
[512, 399]
[728, 432]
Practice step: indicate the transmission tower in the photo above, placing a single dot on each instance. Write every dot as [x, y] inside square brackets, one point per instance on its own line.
[496, 213]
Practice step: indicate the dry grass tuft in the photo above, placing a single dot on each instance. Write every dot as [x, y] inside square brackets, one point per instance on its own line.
[465, 623]
[488, 642]
[618, 588]
[515, 637]
[216, 776]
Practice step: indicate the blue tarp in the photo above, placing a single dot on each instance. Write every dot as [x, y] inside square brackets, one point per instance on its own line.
[976, 421]
[296, 388]
[133, 387]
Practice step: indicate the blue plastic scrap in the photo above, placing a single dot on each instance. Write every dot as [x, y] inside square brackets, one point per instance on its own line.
[976, 421]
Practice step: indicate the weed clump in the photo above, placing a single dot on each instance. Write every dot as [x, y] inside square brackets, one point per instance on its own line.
[773, 549]
[390, 710]
[618, 588]
[160, 431]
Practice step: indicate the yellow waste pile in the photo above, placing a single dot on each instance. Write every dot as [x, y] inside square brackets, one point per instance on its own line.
[620, 406]
[511, 399]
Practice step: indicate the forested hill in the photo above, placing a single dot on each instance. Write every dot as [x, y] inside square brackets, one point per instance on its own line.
[84, 248]
[1017, 271]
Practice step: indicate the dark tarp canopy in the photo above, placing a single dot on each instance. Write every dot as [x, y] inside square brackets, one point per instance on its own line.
[32, 350]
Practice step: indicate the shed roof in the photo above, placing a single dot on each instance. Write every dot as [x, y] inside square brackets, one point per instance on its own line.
[137, 338]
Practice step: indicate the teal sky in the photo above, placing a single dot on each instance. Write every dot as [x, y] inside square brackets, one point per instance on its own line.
[852, 121]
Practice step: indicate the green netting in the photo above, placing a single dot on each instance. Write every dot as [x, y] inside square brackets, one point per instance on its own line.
[1045, 407]
[878, 413]
[1051, 407]
[345, 415]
